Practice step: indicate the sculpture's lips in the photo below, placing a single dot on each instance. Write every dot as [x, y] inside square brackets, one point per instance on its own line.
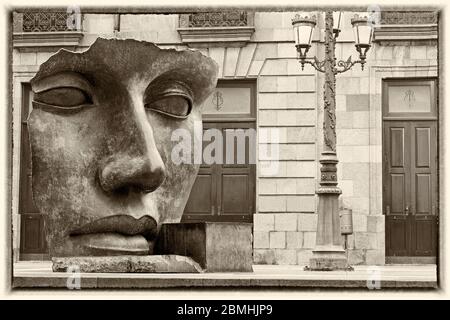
[113, 244]
[120, 224]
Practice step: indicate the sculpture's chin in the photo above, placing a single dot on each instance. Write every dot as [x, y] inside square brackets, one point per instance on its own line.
[109, 244]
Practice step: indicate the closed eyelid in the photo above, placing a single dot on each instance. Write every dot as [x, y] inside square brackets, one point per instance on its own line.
[161, 88]
[61, 80]
[163, 96]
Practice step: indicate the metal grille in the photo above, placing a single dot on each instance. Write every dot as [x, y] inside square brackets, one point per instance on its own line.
[45, 22]
[216, 19]
[408, 17]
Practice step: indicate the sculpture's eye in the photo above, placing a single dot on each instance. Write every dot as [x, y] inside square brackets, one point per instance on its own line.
[177, 106]
[67, 98]
[171, 98]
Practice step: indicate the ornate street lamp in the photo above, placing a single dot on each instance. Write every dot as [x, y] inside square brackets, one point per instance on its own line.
[303, 29]
[329, 253]
[337, 23]
[363, 32]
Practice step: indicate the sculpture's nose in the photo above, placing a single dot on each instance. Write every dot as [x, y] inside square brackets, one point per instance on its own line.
[123, 173]
[134, 162]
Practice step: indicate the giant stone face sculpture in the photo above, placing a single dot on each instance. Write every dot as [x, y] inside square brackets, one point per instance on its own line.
[100, 133]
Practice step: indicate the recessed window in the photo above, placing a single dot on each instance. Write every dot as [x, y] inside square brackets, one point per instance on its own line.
[228, 101]
[409, 99]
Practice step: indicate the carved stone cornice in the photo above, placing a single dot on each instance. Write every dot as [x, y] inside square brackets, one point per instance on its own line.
[213, 29]
[408, 17]
[42, 40]
[407, 26]
[405, 33]
[44, 30]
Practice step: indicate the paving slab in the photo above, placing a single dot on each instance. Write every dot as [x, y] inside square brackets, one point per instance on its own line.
[40, 275]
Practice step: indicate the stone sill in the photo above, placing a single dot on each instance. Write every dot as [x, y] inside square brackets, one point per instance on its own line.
[39, 275]
[124, 282]
[216, 36]
[406, 32]
[29, 40]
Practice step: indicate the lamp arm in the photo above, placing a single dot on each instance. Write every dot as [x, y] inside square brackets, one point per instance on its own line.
[314, 62]
[343, 66]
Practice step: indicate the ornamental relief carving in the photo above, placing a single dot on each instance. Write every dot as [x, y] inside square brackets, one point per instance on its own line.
[409, 17]
[215, 19]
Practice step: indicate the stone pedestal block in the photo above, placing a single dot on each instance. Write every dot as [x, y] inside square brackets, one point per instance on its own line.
[216, 246]
[325, 260]
[127, 264]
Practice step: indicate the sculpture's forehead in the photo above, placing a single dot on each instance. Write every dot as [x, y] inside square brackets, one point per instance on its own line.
[130, 59]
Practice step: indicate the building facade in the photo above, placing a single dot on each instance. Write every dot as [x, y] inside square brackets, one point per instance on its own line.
[387, 126]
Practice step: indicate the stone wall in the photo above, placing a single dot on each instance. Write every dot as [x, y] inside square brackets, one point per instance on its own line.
[285, 224]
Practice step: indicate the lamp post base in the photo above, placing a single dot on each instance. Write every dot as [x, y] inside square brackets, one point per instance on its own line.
[329, 253]
[328, 259]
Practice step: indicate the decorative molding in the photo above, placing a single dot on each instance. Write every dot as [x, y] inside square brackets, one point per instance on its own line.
[44, 30]
[407, 26]
[399, 32]
[216, 37]
[41, 40]
[384, 70]
[214, 29]
[409, 17]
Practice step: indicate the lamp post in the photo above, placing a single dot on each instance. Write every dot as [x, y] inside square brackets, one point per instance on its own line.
[329, 253]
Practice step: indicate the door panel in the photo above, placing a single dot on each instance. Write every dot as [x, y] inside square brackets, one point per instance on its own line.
[201, 201]
[423, 194]
[424, 231]
[397, 235]
[236, 199]
[422, 153]
[398, 194]
[424, 188]
[397, 144]
[32, 234]
[397, 188]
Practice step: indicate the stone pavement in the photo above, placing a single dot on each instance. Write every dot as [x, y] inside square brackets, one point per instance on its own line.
[28, 274]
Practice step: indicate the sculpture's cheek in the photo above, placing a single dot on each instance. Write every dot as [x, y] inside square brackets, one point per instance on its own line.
[181, 168]
[175, 193]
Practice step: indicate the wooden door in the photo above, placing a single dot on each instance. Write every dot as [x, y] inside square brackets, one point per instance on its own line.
[32, 234]
[397, 188]
[224, 191]
[202, 201]
[410, 186]
[424, 189]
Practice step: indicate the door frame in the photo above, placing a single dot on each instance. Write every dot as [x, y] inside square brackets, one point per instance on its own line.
[25, 216]
[235, 121]
[431, 116]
